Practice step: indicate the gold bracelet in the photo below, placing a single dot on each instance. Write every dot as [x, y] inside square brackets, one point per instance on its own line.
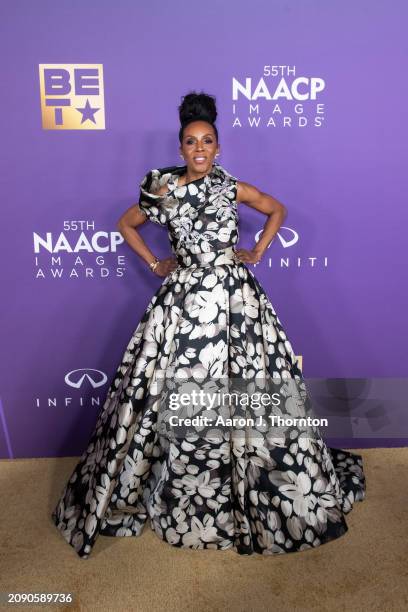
[153, 265]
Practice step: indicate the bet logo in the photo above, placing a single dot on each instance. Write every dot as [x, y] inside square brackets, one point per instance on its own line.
[72, 96]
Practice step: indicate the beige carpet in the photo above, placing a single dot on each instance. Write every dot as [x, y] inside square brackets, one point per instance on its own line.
[366, 569]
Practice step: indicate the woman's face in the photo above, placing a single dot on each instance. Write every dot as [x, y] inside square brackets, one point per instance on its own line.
[199, 146]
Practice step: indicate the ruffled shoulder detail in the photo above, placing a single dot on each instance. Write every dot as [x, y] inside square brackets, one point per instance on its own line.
[150, 201]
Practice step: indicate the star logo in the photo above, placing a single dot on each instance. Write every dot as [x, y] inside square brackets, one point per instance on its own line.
[87, 112]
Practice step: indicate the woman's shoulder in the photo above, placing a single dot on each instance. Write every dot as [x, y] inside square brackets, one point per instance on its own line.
[229, 181]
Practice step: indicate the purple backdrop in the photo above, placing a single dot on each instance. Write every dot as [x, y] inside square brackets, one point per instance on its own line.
[310, 101]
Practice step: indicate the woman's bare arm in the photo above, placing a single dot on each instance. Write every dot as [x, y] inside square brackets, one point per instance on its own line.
[265, 203]
[127, 224]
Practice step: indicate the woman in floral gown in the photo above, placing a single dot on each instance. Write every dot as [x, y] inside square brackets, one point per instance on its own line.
[205, 486]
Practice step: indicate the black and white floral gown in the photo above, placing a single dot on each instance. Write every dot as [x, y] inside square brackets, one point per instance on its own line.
[209, 316]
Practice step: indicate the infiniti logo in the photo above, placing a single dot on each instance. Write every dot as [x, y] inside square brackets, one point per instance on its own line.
[76, 378]
[293, 237]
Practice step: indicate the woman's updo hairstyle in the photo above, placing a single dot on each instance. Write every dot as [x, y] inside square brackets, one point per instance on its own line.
[197, 107]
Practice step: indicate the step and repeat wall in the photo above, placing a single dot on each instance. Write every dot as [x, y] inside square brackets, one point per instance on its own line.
[310, 102]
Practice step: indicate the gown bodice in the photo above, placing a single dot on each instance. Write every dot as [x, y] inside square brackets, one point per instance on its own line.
[201, 216]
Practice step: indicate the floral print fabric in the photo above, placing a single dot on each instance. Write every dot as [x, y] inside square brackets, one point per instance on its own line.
[209, 317]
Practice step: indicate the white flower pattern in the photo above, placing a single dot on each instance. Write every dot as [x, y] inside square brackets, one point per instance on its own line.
[211, 316]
